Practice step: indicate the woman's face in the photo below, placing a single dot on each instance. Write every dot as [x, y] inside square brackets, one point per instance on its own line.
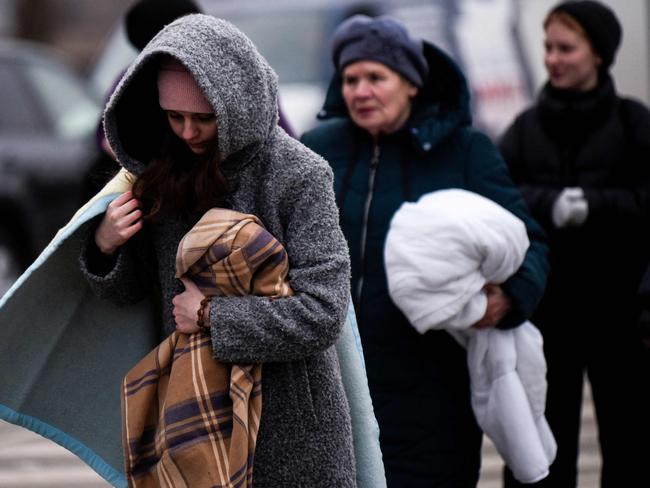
[570, 61]
[197, 130]
[378, 99]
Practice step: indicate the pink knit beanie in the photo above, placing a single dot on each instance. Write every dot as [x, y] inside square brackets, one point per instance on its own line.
[178, 90]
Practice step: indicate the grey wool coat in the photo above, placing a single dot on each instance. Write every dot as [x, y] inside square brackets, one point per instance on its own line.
[305, 437]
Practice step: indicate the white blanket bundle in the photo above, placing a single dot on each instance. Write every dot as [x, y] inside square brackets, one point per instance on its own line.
[440, 253]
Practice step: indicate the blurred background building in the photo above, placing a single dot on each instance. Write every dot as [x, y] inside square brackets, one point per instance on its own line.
[75, 27]
[497, 42]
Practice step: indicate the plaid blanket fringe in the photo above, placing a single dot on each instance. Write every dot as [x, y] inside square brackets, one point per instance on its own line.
[188, 420]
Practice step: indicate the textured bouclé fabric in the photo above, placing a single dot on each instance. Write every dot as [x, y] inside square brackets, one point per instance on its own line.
[305, 436]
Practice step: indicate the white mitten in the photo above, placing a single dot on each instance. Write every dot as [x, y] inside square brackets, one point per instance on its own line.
[570, 208]
[579, 211]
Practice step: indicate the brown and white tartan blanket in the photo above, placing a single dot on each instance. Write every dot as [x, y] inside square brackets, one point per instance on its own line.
[188, 420]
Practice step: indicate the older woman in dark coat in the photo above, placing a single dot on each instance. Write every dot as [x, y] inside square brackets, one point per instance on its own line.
[397, 126]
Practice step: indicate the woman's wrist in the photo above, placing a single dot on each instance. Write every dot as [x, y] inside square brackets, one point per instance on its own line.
[203, 314]
[104, 248]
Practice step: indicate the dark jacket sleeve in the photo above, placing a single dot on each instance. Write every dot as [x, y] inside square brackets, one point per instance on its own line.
[488, 175]
[644, 305]
[539, 198]
[630, 199]
[257, 329]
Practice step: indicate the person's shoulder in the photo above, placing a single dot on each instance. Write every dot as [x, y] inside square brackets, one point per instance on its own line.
[634, 117]
[288, 158]
[525, 117]
[523, 124]
[635, 111]
[327, 131]
[469, 136]
[634, 105]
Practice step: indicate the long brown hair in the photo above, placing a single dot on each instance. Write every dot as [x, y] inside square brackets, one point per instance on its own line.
[177, 180]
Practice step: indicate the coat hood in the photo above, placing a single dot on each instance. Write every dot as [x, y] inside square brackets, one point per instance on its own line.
[234, 77]
[441, 106]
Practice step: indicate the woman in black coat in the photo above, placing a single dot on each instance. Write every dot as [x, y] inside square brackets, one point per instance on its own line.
[581, 157]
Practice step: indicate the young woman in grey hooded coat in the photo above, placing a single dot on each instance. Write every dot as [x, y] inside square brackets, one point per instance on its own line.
[252, 167]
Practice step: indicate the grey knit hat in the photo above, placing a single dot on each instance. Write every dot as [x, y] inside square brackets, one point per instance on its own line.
[382, 39]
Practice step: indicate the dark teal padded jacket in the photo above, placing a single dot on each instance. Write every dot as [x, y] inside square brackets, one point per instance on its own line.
[419, 383]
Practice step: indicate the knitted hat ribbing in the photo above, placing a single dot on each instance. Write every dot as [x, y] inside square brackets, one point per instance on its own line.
[178, 90]
[380, 39]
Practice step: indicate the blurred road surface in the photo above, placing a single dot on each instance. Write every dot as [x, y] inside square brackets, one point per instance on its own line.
[30, 461]
[588, 464]
[27, 460]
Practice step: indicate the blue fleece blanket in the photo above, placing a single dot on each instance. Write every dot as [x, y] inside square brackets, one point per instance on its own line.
[64, 353]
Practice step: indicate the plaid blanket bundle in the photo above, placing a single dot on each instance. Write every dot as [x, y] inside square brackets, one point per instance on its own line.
[189, 420]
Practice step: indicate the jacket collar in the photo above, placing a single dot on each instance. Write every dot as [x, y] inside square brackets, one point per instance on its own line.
[571, 114]
[442, 106]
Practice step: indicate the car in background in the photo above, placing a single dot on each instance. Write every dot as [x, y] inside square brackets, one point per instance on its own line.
[47, 127]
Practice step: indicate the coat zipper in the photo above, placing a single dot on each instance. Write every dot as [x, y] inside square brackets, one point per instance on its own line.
[374, 163]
